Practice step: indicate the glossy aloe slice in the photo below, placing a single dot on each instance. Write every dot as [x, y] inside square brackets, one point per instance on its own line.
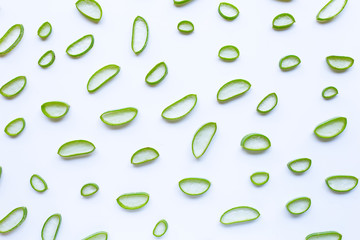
[13, 87]
[329, 92]
[51, 227]
[119, 117]
[102, 76]
[157, 74]
[339, 63]
[239, 215]
[289, 62]
[90, 9]
[341, 183]
[282, 21]
[89, 189]
[331, 10]
[140, 35]
[13, 220]
[329, 235]
[38, 183]
[202, 138]
[144, 155]
[97, 236]
[47, 59]
[80, 46]
[11, 39]
[76, 148]
[180, 108]
[160, 228]
[185, 27]
[229, 53]
[132, 201]
[194, 186]
[298, 205]
[255, 142]
[233, 89]
[55, 109]
[228, 11]
[181, 2]
[268, 103]
[259, 178]
[331, 128]
[15, 127]
[300, 165]
[44, 30]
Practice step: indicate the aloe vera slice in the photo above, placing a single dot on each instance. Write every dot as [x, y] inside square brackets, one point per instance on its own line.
[132, 201]
[202, 138]
[255, 142]
[329, 235]
[331, 10]
[299, 205]
[38, 183]
[228, 11]
[144, 155]
[157, 74]
[90, 9]
[44, 30]
[47, 59]
[289, 62]
[229, 53]
[268, 103]
[13, 87]
[181, 2]
[80, 46]
[185, 27]
[329, 92]
[0, 171]
[102, 76]
[11, 39]
[259, 178]
[160, 228]
[89, 189]
[331, 128]
[76, 148]
[55, 109]
[15, 127]
[140, 35]
[13, 220]
[97, 236]
[180, 108]
[119, 117]
[194, 186]
[300, 165]
[51, 227]
[282, 21]
[233, 89]
[339, 63]
[341, 183]
[239, 215]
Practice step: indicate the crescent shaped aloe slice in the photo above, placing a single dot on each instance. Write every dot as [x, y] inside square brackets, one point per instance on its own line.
[298, 205]
[255, 142]
[144, 155]
[233, 89]
[259, 178]
[329, 92]
[97, 236]
[38, 183]
[44, 30]
[160, 228]
[328, 235]
[11, 39]
[194, 186]
[331, 10]
[181, 2]
[132, 201]
[339, 63]
[268, 103]
[140, 35]
[229, 53]
[80, 46]
[47, 59]
[341, 183]
[185, 27]
[102, 76]
[228, 11]
[89, 189]
[202, 138]
[51, 227]
[55, 109]
[13, 220]
[157, 74]
[13, 87]
[90, 9]
[283, 21]
[15, 127]
[119, 117]
[180, 108]
[331, 128]
[289, 62]
[300, 165]
[239, 215]
[76, 148]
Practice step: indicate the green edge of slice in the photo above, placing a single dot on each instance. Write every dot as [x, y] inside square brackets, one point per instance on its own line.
[302, 161]
[93, 189]
[179, 3]
[324, 235]
[93, 4]
[15, 43]
[42, 181]
[144, 195]
[44, 26]
[229, 6]
[164, 225]
[3, 229]
[297, 200]
[97, 236]
[259, 174]
[10, 124]
[245, 210]
[11, 85]
[49, 224]
[185, 27]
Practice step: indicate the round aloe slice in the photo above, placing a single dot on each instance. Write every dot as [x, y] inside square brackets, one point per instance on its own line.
[228, 11]
[331, 128]
[239, 215]
[194, 186]
[268, 103]
[233, 89]
[299, 205]
[329, 235]
[331, 10]
[185, 27]
[76, 148]
[289, 62]
[202, 138]
[47, 59]
[15, 127]
[180, 108]
[55, 109]
[90, 9]
[44, 30]
[51, 227]
[13, 87]
[97, 236]
[329, 92]
[160, 228]
[181, 2]
[259, 178]
[140, 35]
[38, 183]
[255, 142]
[119, 117]
[102, 76]
[11, 39]
[80, 46]
[300, 165]
[144, 155]
[157, 74]
[89, 189]
[13, 220]
[341, 183]
[229, 53]
[339, 63]
[132, 201]
[282, 21]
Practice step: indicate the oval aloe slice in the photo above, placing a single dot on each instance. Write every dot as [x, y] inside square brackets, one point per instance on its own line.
[102, 76]
[90, 9]
[140, 35]
[282, 21]
[181, 2]
[228, 11]
[51, 227]
[47, 59]
[97, 236]
[76, 148]
[239, 215]
[255, 142]
[11, 39]
[268, 103]
[339, 63]
[89, 189]
[341, 183]
[13, 220]
[38, 183]
[132, 201]
[202, 138]
[233, 89]
[331, 128]
[180, 108]
[185, 27]
[229, 53]
[44, 30]
[119, 117]
[55, 109]
[157, 74]
[144, 155]
[13, 87]
[329, 235]
[15, 127]
[331, 10]
[194, 186]
[329, 92]
[289, 62]
[160, 228]
[300, 165]
[299, 205]
[80, 46]
[259, 178]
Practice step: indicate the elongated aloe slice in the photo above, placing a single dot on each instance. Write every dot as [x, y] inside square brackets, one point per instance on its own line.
[76, 148]
[119, 117]
[341, 183]
[339, 63]
[331, 128]
[90, 9]
[102, 76]
[300, 165]
[11, 38]
[180, 108]
[47, 59]
[15, 127]
[44, 30]
[97, 236]
[228, 11]
[202, 138]
[255, 142]
[329, 92]
[51, 227]
[233, 89]
[132, 201]
[13, 87]
[239, 214]
[299, 205]
[140, 35]
[185, 27]
[331, 10]
[194, 186]
[0, 171]
[289, 62]
[282, 21]
[259, 178]
[38, 183]
[181, 2]
[229, 53]
[144, 155]
[55, 109]
[157, 74]
[13, 220]
[160, 228]
[329, 235]
[89, 189]
[268, 103]
[80, 46]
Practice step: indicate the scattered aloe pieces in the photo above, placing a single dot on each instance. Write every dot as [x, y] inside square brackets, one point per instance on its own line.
[38, 183]
[89, 189]
[80, 46]
[300, 165]
[13, 220]
[339, 63]
[341, 183]
[97, 236]
[157, 74]
[140, 35]
[44, 30]
[15, 127]
[119, 117]
[202, 138]
[185, 27]
[181, 2]
[229, 53]
[102, 76]
[180, 108]
[268, 103]
[239, 215]
[289, 62]
[329, 92]
[160, 228]
[331, 10]
[331, 128]
[299, 205]
[13, 87]
[51, 227]
[90, 9]
[47, 59]
[144, 155]
[55, 109]
[132, 201]
[194, 186]
[11, 39]
[228, 11]
[233, 89]
[283, 21]
[76, 148]
[259, 178]
[255, 142]
[329, 235]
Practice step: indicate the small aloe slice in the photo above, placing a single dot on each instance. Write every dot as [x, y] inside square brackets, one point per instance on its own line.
[80, 46]
[51, 227]
[329, 235]
[255, 142]
[331, 128]
[341, 183]
[157, 74]
[194, 186]
[38, 183]
[329, 92]
[13, 220]
[160, 228]
[259, 178]
[119, 117]
[144, 155]
[140, 35]
[229, 53]
[180, 108]
[97, 236]
[181, 2]
[268, 103]
[11, 38]
[228, 11]
[44, 30]
[55, 109]
[233, 89]
[102, 76]
[90, 9]
[331, 10]
[89, 189]
[239, 215]
[202, 138]
[300, 165]
[185, 27]
[76, 148]
[299, 205]
[132, 201]
[47, 59]
[339, 63]
[15, 127]
[13, 87]
[282, 21]
[289, 62]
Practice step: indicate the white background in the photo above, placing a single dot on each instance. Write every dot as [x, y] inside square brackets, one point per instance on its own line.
[194, 67]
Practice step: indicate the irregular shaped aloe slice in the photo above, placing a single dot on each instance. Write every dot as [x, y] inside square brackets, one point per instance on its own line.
[144, 155]
[300, 165]
[102, 76]
[13, 87]
[282, 21]
[47, 59]
[229, 53]
[228, 11]
[181, 2]
[15, 127]
[299, 205]
[51, 227]
[80, 46]
[132, 201]
[76, 148]
[239, 215]
[13, 220]
[0, 171]
[157, 74]
[185, 27]
[341, 183]
[89, 189]
[330, 235]
[331, 10]
[180, 108]
[11, 38]
[331, 128]
[194, 186]
[339, 63]
[255, 142]
[268, 103]
[329, 92]
[119, 117]
[97, 236]
[55, 109]
[38, 183]
[289, 62]
[140, 35]
[202, 138]
[44, 30]
[259, 178]
[90, 9]
[160, 228]
[233, 89]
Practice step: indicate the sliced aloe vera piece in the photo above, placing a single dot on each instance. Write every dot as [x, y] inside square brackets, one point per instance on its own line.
[202, 138]
[44, 30]
[13, 87]
[140, 35]
[102, 76]
[289, 62]
[90, 9]
[228, 11]
[233, 89]
[268, 103]
[181, 2]
[239, 215]
[331, 10]
[259, 178]
[76, 148]
[11, 39]
[185, 27]
[80, 46]
[329, 92]
[229, 53]
[180, 108]
[157, 74]
[339, 63]
[89, 189]
[97, 236]
[51, 227]
[144, 155]
[331, 128]
[341, 183]
[300, 165]
[282, 21]
[38, 183]
[55, 109]
[255, 142]
[160, 228]
[13, 220]
[194, 186]
[298, 205]
[47, 59]
[132, 201]
[15, 127]
[329, 235]
[0, 171]
[119, 117]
